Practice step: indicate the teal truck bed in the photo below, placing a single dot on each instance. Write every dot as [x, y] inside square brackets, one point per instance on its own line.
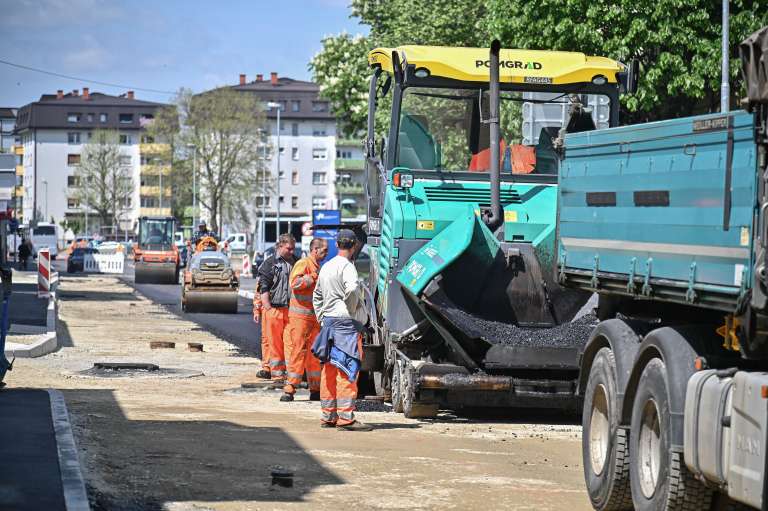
[663, 210]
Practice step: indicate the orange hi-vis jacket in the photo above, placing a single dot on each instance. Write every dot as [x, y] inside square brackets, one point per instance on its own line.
[302, 281]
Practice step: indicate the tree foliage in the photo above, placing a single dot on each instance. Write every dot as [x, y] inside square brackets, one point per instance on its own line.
[226, 130]
[102, 184]
[677, 43]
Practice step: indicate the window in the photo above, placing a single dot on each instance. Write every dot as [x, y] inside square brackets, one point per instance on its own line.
[73, 160]
[295, 177]
[73, 117]
[295, 129]
[90, 117]
[294, 201]
[73, 203]
[318, 131]
[320, 153]
[72, 181]
[103, 117]
[295, 105]
[125, 139]
[263, 201]
[145, 119]
[146, 139]
[149, 180]
[343, 155]
[318, 202]
[148, 201]
[282, 199]
[319, 178]
[295, 153]
[319, 106]
[282, 151]
[125, 160]
[126, 118]
[73, 137]
[90, 135]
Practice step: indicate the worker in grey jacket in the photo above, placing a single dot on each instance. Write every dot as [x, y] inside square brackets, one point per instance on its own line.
[340, 309]
[274, 292]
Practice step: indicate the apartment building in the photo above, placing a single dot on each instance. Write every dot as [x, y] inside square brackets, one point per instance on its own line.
[52, 133]
[7, 127]
[307, 154]
[350, 179]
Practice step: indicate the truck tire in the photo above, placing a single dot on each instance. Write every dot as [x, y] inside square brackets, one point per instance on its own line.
[397, 386]
[604, 446]
[659, 478]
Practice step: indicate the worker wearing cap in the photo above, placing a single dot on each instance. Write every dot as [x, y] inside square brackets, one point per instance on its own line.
[302, 325]
[340, 308]
[274, 289]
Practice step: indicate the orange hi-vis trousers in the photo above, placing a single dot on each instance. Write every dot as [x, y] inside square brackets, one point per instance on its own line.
[264, 342]
[298, 338]
[275, 321]
[338, 394]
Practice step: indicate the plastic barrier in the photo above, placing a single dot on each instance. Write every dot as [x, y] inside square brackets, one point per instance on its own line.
[246, 270]
[43, 273]
[104, 263]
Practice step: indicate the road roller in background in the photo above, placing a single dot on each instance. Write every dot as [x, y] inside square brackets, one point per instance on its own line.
[156, 257]
[210, 284]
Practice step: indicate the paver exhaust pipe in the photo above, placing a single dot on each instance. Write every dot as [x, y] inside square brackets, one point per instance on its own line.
[494, 218]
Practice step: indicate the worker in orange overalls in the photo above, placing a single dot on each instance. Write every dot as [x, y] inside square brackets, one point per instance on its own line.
[274, 289]
[302, 325]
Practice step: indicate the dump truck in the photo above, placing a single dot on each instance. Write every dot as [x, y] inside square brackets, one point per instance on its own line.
[666, 221]
[155, 256]
[465, 307]
[210, 284]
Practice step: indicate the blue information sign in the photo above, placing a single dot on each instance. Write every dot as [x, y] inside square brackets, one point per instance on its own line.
[327, 217]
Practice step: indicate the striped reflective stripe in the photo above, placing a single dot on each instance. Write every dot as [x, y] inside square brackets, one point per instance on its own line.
[294, 375]
[347, 416]
[302, 298]
[311, 374]
[328, 403]
[301, 310]
[276, 362]
[345, 403]
[329, 416]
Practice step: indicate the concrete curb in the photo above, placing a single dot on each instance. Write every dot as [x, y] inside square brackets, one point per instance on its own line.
[46, 345]
[73, 485]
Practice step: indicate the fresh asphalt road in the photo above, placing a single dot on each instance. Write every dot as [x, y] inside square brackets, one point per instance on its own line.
[239, 329]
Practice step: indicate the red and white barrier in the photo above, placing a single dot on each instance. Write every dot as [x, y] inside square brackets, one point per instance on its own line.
[43, 273]
[246, 271]
[104, 263]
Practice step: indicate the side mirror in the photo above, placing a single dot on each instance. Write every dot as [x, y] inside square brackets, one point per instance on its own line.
[628, 79]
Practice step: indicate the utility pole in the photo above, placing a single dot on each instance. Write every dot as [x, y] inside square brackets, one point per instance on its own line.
[194, 185]
[278, 107]
[725, 90]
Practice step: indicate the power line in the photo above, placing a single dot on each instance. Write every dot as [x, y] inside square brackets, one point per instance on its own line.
[68, 77]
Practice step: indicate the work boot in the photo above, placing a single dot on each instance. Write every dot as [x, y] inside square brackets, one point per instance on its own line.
[314, 395]
[355, 426]
[286, 398]
[264, 374]
[327, 425]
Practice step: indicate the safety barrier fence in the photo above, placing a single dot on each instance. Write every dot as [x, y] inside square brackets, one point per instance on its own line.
[104, 263]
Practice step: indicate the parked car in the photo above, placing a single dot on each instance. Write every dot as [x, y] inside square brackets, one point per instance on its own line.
[76, 260]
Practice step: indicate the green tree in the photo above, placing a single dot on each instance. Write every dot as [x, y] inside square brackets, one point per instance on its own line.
[226, 129]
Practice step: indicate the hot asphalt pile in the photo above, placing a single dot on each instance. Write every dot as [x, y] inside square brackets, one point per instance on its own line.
[567, 335]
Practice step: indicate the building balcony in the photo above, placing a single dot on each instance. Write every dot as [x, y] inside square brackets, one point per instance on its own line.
[19, 170]
[154, 148]
[18, 191]
[350, 189]
[18, 150]
[154, 191]
[155, 211]
[346, 142]
[349, 164]
[155, 170]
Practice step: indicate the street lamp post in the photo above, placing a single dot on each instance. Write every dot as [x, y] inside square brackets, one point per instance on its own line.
[725, 90]
[45, 183]
[278, 107]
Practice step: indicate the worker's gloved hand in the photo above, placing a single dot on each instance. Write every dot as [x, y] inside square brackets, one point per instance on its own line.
[256, 315]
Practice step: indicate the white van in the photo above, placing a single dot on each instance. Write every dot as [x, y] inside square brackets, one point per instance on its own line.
[236, 242]
[43, 235]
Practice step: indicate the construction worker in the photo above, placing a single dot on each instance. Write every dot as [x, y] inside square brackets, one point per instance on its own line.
[302, 325]
[340, 309]
[274, 289]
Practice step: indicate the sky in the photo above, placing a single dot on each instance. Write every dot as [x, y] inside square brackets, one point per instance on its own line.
[159, 44]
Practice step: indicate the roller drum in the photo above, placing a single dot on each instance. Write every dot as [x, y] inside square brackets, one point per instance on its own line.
[211, 301]
[155, 273]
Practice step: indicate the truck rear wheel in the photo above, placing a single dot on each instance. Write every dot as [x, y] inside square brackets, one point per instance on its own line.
[604, 446]
[397, 386]
[659, 477]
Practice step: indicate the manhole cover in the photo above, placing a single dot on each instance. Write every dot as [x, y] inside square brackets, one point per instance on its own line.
[135, 370]
[155, 345]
